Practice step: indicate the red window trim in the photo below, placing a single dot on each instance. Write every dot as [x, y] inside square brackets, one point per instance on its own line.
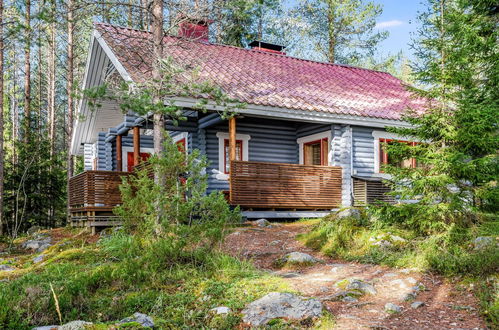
[226, 144]
[320, 141]
[383, 155]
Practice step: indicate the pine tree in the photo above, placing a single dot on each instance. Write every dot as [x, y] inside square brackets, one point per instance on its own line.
[458, 64]
[338, 31]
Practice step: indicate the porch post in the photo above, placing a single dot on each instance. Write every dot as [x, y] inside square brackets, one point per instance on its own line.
[119, 154]
[232, 139]
[232, 150]
[136, 145]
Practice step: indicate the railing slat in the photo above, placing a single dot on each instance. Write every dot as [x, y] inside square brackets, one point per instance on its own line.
[276, 185]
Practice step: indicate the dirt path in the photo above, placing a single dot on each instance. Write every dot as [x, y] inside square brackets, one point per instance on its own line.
[445, 305]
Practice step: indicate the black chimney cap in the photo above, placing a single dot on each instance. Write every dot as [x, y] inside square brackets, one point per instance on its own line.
[266, 45]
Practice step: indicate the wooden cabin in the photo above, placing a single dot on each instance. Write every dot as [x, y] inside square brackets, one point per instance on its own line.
[308, 132]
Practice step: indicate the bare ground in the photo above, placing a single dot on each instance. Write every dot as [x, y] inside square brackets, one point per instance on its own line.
[446, 305]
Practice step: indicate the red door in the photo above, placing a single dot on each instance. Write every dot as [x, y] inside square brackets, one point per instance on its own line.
[143, 157]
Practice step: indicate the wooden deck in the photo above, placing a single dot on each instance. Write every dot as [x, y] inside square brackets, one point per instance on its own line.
[92, 197]
[285, 186]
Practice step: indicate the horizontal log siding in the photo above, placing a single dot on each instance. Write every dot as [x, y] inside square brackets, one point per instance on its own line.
[146, 141]
[273, 185]
[363, 151]
[271, 141]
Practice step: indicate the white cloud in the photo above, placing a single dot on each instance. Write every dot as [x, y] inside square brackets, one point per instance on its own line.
[389, 24]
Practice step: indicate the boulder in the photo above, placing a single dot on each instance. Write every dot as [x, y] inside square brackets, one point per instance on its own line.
[142, 319]
[483, 242]
[349, 212]
[33, 229]
[46, 327]
[6, 268]
[417, 304]
[39, 258]
[299, 258]
[222, 310]
[75, 325]
[361, 286]
[392, 308]
[350, 299]
[280, 305]
[38, 244]
[263, 223]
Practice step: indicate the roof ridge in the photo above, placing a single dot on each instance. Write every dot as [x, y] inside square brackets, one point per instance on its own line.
[252, 50]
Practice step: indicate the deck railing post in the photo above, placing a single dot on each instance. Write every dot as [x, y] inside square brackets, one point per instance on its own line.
[136, 145]
[119, 154]
[232, 150]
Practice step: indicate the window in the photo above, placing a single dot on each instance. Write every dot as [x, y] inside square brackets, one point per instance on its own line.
[314, 149]
[384, 158]
[143, 156]
[239, 153]
[316, 152]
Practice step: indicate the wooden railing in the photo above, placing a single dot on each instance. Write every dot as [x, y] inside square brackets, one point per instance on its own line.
[284, 186]
[95, 189]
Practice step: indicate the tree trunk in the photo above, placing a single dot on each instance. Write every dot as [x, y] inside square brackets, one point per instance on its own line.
[157, 29]
[69, 87]
[27, 73]
[2, 222]
[331, 54]
[51, 57]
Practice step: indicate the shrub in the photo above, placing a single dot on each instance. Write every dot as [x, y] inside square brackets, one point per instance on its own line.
[175, 207]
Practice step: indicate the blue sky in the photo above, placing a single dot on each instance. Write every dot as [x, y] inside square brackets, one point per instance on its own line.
[399, 18]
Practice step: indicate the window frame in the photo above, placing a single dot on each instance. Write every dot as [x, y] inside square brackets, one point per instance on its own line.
[382, 137]
[222, 136]
[315, 138]
[226, 151]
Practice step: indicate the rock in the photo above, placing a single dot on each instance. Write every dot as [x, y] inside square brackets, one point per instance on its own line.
[142, 319]
[299, 258]
[349, 212]
[341, 296]
[382, 243]
[350, 299]
[46, 327]
[417, 304]
[5, 268]
[38, 259]
[222, 310]
[33, 229]
[395, 238]
[280, 305]
[75, 325]
[274, 243]
[43, 248]
[361, 286]
[392, 308]
[262, 223]
[39, 244]
[483, 242]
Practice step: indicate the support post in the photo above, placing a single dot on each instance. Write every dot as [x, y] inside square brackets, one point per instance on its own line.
[232, 149]
[119, 154]
[136, 145]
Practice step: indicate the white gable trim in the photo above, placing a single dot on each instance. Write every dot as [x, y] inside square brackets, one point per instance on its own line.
[119, 67]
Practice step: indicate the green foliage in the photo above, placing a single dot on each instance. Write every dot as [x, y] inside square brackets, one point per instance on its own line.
[449, 252]
[339, 31]
[35, 186]
[459, 166]
[176, 206]
[127, 274]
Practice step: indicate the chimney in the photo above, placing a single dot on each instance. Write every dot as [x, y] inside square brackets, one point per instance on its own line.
[196, 29]
[267, 47]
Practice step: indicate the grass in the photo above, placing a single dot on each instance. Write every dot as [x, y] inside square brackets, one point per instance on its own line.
[111, 280]
[450, 252]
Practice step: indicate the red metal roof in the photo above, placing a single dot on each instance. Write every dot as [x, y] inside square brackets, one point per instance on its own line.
[261, 78]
